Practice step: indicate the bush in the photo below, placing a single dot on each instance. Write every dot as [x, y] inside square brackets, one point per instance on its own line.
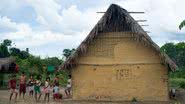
[177, 83]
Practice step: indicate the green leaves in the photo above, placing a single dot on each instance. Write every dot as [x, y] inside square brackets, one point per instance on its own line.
[182, 25]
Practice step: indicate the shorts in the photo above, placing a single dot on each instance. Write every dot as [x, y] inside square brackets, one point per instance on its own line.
[13, 90]
[22, 88]
[56, 96]
[30, 88]
[68, 88]
[37, 89]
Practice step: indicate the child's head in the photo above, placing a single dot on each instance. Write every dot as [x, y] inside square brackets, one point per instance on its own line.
[48, 79]
[39, 77]
[23, 73]
[57, 84]
[13, 76]
[31, 76]
[69, 76]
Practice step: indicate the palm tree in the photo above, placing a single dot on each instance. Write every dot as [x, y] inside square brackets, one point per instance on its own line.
[182, 25]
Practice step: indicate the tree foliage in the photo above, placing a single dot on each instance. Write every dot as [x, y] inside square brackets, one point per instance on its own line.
[68, 52]
[176, 52]
[182, 25]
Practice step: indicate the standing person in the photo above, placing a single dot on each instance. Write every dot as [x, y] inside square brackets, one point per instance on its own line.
[22, 87]
[56, 80]
[47, 88]
[68, 88]
[31, 85]
[12, 86]
[37, 87]
[56, 91]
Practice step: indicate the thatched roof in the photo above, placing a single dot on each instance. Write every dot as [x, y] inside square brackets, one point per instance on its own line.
[6, 64]
[117, 19]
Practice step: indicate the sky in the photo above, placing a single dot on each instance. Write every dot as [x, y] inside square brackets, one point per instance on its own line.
[47, 27]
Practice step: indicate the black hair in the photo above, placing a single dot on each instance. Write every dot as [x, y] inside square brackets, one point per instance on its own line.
[23, 72]
[47, 78]
[69, 76]
[39, 77]
[57, 84]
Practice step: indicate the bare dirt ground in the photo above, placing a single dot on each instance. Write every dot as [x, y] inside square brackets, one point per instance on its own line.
[4, 99]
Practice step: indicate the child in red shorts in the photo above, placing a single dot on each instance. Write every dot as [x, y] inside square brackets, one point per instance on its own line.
[12, 86]
[56, 94]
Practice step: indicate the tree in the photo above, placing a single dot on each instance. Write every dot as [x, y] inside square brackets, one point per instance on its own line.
[4, 48]
[17, 52]
[7, 42]
[68, 52]
[182, 25]
[170, 50]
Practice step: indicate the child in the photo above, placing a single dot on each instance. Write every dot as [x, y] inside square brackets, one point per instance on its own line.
[68, 88]
[37, 87]
[22, 87]
[31, 85]
[56, 91]
[47, 88]
[12, 86]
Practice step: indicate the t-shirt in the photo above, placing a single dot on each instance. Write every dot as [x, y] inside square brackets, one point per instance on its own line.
[56, 90]
[38, 83]
[13, 83]
[30, 82]
[69, 83]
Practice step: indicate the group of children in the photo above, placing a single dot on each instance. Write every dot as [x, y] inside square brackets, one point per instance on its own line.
[35, 87]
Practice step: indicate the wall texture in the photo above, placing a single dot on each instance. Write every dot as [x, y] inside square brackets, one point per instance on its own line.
[118, 68]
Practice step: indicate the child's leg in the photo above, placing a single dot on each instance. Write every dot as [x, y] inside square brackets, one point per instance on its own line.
[36, 96]
[45, 97]
[16, 93]
[40, 95]
[11, 94]
[32, 93]
[48, 97]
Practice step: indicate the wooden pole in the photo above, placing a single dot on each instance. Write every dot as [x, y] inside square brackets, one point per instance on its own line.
[141, 20]
[128, 12]
[144, 25]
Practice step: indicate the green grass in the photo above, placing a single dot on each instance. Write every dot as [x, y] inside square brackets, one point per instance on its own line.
[177, 82]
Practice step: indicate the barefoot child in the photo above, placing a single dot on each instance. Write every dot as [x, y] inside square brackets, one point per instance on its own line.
[56, 91]
[37, 88]
[31, 86]
[22, 87]
[12, 86]
[68, 88]
[47, 88]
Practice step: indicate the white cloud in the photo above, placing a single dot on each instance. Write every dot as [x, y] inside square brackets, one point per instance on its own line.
[65, 27]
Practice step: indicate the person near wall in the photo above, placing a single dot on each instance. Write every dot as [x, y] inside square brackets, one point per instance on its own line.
[68, 88]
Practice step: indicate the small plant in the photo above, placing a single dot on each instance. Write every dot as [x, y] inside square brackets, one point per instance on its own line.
[182, 85]
[134, 99]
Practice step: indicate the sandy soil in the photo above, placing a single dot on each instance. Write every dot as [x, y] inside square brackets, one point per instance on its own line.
[4, 99]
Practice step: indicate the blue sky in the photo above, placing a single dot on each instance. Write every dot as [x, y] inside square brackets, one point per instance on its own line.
[49, 26]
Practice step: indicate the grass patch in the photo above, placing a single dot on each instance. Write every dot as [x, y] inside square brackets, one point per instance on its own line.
[177, 83]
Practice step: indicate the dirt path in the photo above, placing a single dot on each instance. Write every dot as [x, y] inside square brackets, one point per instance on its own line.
[4, 99]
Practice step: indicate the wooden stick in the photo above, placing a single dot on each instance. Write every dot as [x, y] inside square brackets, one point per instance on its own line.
[128, 12]
[141, 20]
[144, 25]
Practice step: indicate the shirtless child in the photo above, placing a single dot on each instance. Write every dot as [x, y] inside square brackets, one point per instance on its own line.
[22, 87]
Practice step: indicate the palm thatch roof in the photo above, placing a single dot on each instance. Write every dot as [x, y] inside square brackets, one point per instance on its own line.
[117, 19]
[6, 65]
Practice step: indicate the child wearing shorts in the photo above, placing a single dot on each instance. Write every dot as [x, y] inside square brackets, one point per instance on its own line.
[12, 86]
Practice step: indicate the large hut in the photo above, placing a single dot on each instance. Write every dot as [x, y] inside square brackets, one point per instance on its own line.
[118, 61]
